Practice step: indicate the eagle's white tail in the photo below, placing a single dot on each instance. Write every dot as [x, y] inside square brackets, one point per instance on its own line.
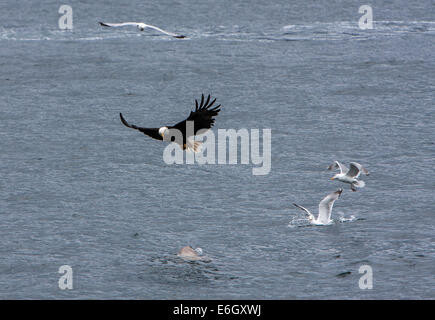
[194, 146]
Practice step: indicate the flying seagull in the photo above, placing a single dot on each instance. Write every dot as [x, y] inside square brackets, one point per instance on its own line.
[325, 209]
[141, 26]
[349, 175]
[201, 118]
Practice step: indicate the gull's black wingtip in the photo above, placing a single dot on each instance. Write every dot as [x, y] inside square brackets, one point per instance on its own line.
[180, 36]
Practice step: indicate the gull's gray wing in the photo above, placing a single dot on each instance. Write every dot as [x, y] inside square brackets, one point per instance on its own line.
[338, 165]
[310, 215]
[356, 169]
[165, 32]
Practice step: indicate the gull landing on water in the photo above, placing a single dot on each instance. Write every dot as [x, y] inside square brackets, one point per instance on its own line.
[325, 209]
[141, 26]
[349, 175]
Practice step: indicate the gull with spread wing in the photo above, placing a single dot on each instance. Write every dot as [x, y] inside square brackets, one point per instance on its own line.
[325, 209]
[350, 175]
[141, 26]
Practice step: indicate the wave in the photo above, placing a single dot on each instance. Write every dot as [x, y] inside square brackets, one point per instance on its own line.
[346, 30]
[298, 221]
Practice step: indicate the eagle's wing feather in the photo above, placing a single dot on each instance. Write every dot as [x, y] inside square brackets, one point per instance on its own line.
[152, 132]
[202, 117]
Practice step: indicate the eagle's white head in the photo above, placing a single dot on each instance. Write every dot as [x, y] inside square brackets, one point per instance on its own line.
[163, 131]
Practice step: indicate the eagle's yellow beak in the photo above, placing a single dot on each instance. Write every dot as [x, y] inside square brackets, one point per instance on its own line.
[332, 178]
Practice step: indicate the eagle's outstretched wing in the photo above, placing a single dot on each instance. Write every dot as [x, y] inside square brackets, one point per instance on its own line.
[202, 117]
[152, 132]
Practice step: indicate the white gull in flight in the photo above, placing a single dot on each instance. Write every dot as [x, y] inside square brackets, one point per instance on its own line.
[141, 26]
[325, 209]
[349, 175]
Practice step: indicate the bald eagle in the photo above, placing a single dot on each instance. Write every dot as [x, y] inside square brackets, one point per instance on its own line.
[202, 119]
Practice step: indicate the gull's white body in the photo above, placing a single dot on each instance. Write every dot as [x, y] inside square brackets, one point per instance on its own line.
[141, 26]
[325, 209]
[351, 175]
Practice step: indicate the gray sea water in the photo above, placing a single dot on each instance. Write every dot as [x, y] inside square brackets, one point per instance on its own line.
[78, 188]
